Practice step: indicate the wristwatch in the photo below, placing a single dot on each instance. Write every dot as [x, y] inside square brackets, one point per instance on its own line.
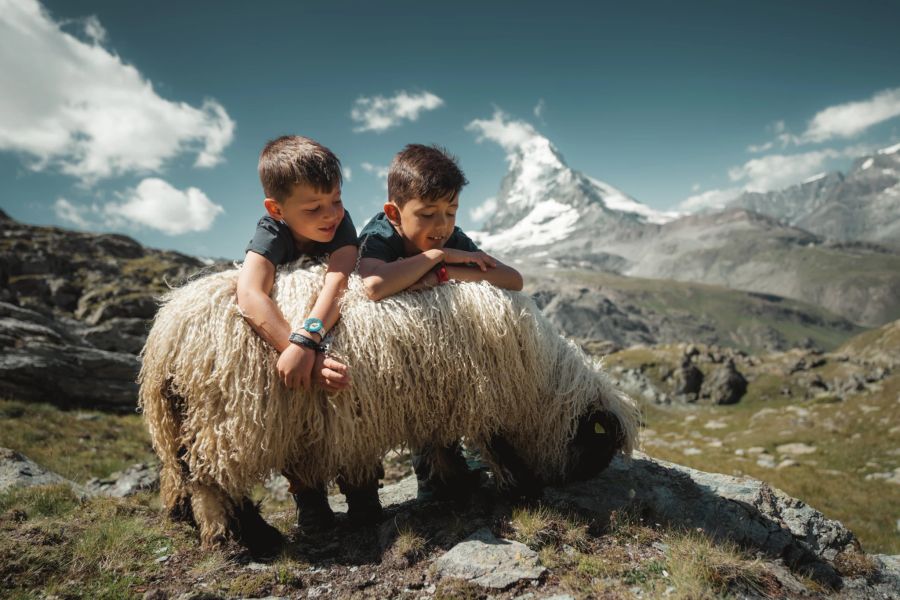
[302, 340]
[314, 325]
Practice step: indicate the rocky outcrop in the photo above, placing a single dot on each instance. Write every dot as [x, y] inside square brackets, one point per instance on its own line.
[136, 478]
[74, 312]
[17, 470]
[41, 360]
[724, 386]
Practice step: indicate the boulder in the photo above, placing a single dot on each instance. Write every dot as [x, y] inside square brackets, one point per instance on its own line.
[489, 561]
[725, 385]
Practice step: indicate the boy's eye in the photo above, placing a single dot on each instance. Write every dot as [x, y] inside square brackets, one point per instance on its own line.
[426, 215]
[449, 214]
[311, 210]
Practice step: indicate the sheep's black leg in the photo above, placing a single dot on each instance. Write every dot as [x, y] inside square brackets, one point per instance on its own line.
[525, 483]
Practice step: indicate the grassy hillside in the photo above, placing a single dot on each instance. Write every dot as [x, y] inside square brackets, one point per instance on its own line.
[839, 451]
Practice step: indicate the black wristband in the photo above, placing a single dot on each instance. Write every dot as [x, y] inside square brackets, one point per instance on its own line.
[302, 340]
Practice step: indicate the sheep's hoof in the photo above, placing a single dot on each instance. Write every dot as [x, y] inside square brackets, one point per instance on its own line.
[598, 437]
[260, 538]
[525, 486]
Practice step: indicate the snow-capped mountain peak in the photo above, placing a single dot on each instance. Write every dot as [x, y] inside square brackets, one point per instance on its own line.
[541, 198]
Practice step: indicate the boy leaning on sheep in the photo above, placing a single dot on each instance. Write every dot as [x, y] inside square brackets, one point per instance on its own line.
[415, 244]
[305, 217]
[412, 244]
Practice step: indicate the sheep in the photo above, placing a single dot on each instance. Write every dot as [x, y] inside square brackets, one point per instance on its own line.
[459, 361]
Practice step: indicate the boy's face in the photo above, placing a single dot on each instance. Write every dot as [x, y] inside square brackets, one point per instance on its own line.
[312, 216]
[424, 224]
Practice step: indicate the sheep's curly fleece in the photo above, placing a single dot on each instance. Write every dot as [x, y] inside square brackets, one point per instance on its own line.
[464, 360]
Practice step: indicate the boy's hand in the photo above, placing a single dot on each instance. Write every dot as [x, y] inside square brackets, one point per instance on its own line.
[295, 366]
[330, 374]
[461, 257]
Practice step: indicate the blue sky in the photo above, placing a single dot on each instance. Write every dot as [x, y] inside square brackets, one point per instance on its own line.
[148, 120]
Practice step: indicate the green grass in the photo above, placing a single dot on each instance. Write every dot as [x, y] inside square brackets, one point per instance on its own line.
[77, 445]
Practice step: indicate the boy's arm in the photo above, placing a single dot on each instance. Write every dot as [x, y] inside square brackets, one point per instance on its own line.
[340, 264]
[383, 279]
[295, 363]
[501, 275]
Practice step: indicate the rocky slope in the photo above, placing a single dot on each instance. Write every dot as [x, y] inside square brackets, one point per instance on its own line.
[606, 311]
[551, 215]
[616, 534]
[864, 204]
[74, 311]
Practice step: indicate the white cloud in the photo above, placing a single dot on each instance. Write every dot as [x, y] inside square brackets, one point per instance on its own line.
[75, 106]
[695, 187]
[348, 173]
[380, 113]
[486, 209]
[772, 172]
[511, 135]
[539, 108]
[755, 149]
[377, 170]
[851, 119]
[709, 200]
[70, 213]
[156, 204]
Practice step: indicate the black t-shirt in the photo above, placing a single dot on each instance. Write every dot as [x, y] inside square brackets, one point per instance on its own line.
[380, 240]
[274, 241]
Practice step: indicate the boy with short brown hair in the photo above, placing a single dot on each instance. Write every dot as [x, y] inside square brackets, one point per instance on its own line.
[415, 244]
[305, 217]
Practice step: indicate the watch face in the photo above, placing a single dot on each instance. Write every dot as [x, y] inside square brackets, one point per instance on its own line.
[312, 325]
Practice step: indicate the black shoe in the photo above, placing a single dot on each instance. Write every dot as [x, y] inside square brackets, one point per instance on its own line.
[363, 504]
[313, 512]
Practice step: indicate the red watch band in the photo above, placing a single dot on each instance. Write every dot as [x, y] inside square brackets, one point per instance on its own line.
[441, 272]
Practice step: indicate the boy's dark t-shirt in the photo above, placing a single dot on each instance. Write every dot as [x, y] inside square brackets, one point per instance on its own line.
[274, 241]
[380, 240]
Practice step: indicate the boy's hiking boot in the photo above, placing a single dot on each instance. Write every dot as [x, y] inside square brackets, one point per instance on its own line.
[442, 473]
[363, 504]
[314, 515]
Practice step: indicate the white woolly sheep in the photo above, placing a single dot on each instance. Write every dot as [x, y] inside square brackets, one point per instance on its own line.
[461, 361]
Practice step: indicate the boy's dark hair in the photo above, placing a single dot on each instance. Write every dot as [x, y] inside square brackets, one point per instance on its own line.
[426, 172]
[293, 159]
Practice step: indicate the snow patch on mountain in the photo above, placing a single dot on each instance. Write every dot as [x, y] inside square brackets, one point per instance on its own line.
[548, 222]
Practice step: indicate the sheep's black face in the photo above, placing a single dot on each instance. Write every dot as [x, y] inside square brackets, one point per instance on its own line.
[598, 438]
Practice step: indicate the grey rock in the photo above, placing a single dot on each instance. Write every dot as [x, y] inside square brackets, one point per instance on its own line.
[117, 334]
[41, 360]
[17, 470]
[489, 561]
[134, 479]
[688, 378]
[725, 385]
[746, 511]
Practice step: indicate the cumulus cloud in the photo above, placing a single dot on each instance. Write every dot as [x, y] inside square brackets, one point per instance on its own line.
[511, 134]
[484, 210]
[539, 108]
[154, 203]
[73, 105]
[377, 170]
[771, 172]
[348, 173]
[851, 119]
[379, 113]
[79, 216]
[709, 200]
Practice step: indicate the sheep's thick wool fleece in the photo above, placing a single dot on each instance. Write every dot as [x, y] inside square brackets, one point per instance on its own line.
[461, 360]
